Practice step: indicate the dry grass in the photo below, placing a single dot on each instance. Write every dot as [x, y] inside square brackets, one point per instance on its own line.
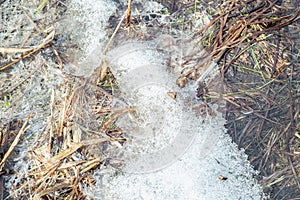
[257, 46]
[61, 164]
[81, 125]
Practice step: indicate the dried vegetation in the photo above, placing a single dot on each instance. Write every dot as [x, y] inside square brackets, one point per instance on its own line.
[256, 43]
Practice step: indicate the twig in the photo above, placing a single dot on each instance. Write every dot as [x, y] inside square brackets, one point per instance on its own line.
[4, 50]
[114, 34]
[294, 172]
[47, 40]
[128, 13]
[15, 142]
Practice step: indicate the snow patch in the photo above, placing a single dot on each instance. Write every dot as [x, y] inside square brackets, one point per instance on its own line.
[85, 25]
[187, 155]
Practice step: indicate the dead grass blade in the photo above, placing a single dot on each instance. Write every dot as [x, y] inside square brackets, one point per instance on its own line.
[15, 142]
[128, 16]
[46, 41]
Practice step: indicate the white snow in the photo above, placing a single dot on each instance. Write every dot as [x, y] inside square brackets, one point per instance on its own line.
[85, 24]
[171, 153]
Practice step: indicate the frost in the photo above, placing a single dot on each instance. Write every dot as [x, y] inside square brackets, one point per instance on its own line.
[84, 24]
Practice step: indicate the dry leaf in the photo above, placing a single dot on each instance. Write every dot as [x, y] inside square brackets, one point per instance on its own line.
[182, 81]
[173, 95]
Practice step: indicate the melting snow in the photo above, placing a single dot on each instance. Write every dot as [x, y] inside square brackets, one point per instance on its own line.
[172, 152]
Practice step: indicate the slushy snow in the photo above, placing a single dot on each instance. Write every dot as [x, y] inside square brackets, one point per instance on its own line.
[172, 152]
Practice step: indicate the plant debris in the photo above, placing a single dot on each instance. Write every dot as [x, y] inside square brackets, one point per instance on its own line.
[256, 43]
